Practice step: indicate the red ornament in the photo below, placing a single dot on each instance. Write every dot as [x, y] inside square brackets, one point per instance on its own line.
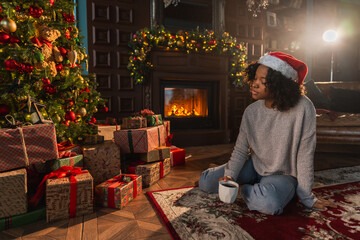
[46, 81]
[0, 8]
[4, 37]
[70, 103]
[85, 100]
[51, 2]
[28, 68]
[4, 109]
[18, 8]
[50, 89]
[70, 116]
[59, 67]
[10, 64]
[21, 67]
[92, 120]
[105, 109]
[69, 17]
[63, 51]
[66, 123]
[67, 34]
[35, 11]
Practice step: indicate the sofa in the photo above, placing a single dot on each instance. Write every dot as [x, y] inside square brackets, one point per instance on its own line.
[338, 115]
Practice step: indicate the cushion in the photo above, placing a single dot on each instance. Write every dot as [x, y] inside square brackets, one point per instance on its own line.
[317, 97]
[344, 100]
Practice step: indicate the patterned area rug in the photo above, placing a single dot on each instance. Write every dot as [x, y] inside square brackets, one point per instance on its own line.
[189, 213]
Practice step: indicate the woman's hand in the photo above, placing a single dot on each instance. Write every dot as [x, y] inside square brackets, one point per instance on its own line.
[226, 178]
[324, 204]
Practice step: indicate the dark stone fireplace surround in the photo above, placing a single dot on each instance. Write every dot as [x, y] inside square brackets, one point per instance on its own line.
[172, 68]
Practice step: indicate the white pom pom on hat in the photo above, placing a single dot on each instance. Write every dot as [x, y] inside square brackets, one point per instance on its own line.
[289, 66]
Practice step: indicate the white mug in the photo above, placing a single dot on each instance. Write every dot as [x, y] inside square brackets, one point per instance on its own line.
[228, 191]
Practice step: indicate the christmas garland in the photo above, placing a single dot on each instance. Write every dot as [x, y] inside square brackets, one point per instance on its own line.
[191, 42]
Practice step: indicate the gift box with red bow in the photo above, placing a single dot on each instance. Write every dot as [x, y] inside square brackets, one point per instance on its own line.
[150, 172]
[69, 193]
[154, 120]
[13, 189]
[140, 140]
[102, 161]
[118, 191]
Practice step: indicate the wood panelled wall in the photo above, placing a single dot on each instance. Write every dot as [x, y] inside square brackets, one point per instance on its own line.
[110, 27]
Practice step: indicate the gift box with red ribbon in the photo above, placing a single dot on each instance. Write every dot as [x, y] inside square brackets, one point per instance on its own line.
[158, 154]
[154, 120]
[177, 156]
[27, 145]
[118, 191]
[13, 189]
[102, 161]
[140, 140]
[133, 123]
[150, 172]
[69, 193]
[72, 161]
[67, 149]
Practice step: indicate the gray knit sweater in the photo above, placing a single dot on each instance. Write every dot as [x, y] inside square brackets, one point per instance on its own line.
[282, 143]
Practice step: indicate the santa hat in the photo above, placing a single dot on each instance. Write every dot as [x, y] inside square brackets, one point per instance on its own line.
[289, 66]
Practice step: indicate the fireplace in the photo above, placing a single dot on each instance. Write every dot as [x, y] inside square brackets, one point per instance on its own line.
[189, 104]
[191, 91]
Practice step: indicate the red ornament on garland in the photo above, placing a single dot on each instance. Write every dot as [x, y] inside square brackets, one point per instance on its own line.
[85, 100]
[51, 2]
[70, 116]
[18, 8]
[63, 51]
[70, 103]
[59, 67]
[14, 39]
[4, 37]
[4, 109]
[66, 123]
[28, 68]
[92, 120]
[50, 89]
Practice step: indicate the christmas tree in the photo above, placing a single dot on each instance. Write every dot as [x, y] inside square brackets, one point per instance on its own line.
[42, 58]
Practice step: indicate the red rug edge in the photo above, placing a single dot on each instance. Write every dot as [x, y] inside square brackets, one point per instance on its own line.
[174, 235]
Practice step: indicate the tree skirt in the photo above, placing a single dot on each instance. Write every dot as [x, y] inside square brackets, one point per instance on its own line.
[189, 213]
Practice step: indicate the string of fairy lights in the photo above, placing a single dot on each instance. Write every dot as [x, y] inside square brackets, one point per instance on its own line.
[207, 41]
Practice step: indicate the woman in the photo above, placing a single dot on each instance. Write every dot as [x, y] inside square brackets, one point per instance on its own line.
[279, 128]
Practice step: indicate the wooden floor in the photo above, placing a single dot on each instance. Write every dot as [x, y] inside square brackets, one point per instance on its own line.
[138, 220]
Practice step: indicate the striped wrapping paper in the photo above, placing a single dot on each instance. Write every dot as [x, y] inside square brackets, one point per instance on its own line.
[13, 189]
[140, 140]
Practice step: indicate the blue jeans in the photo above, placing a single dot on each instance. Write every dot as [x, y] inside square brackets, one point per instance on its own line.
[266, 194]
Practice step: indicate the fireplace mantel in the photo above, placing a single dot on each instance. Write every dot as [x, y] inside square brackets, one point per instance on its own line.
[210, 69]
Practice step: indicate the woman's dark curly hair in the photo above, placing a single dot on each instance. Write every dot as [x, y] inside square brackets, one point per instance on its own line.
[286, 92]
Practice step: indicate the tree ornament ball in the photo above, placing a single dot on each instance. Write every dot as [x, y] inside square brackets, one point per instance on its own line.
[82, 112]
[180, 43]
[58, 118]
[70, 116]
[28, 118]
[4, 109]
[95, 110]
[8, 25]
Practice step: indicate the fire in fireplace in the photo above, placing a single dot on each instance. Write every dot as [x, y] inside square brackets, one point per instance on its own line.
[190, 104]
[185, 102]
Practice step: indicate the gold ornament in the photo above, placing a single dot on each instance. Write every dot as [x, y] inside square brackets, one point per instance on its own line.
[161, 38]
[21, 16]
[72, 56]
[58, 118]
[80, 79]
[8, 25]
[81, 112]
[65, 72]
[80, 56]
[28, 118]
[180, 43]
[95, 110]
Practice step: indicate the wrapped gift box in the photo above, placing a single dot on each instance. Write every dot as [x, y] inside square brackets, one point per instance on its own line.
[133, 123]
[23, 146]
[118, 191]
[59, 201]
[152, 172]
[177, 156]
[92, 139]
[102, 161]
[154, 120]
[74, 161]
[158, 154]
[23, 219]
[140, 140]
[13, 189]
[108, 131]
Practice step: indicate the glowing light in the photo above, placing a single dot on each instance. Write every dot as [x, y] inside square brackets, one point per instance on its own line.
[330, 36]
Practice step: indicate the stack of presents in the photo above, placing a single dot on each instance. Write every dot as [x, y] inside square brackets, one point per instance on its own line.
[43, 179]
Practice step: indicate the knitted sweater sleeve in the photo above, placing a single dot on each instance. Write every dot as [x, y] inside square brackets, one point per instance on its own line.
[240, 152]
[305, 159]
